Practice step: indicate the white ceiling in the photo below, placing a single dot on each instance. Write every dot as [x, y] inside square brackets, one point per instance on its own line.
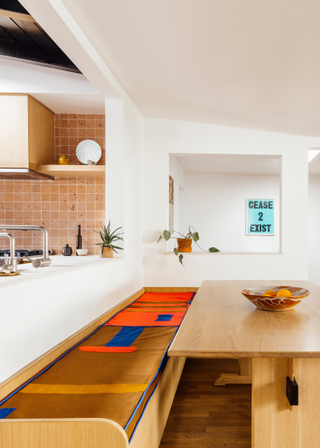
[72, 103]
[230, 164]
[248, 63]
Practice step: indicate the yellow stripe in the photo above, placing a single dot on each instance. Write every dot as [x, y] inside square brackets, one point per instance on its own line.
[83, 389]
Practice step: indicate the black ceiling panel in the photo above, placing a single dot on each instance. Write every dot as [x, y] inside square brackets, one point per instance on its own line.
[26, 40]
[12, 5]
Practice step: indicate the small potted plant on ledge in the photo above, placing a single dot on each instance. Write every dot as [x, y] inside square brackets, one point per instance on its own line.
[184, 242]
[108, 238]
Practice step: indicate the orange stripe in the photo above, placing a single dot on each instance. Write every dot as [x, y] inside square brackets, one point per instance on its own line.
[108, 349]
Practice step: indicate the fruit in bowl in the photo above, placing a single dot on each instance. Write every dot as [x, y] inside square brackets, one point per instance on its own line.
[275, 298]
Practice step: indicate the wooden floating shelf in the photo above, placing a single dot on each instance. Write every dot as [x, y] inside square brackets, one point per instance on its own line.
[73, 170]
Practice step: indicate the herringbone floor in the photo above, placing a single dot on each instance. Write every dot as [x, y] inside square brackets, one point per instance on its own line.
[204, 416]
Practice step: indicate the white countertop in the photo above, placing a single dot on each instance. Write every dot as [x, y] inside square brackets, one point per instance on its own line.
[60, 265]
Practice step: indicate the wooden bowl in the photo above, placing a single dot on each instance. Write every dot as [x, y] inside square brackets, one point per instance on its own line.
[277, 303]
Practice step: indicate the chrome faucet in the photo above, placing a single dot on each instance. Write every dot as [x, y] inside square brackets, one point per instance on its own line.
[37, 262]
[10, 264]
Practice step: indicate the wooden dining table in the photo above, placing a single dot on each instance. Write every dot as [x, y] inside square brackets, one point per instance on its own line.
[222, 323]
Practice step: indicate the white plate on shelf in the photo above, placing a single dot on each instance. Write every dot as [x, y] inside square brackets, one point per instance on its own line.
[88, 150]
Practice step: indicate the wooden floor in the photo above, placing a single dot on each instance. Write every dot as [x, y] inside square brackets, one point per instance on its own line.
[205, 416]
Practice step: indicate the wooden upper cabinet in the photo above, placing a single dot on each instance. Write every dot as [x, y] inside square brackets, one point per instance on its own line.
[26, 132]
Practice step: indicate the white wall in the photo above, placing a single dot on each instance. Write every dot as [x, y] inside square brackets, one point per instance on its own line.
[215, 205]
[164, 137]
[37, 315]
[42, 313]
[22, 77]
[314, 228]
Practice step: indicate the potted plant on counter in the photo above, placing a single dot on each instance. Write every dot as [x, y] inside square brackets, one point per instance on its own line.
[108, 238]
[184, 242]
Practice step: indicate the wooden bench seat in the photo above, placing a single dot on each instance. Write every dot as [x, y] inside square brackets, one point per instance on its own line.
[86, 417]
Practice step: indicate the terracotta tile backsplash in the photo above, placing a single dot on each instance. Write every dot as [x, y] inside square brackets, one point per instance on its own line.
[71, 129]
[62, 204]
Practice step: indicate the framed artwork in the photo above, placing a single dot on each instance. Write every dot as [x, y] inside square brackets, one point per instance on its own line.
[260, 217]
[171, 190]
[171, 203]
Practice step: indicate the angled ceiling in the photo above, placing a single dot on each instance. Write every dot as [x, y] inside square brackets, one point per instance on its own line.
[248, 63]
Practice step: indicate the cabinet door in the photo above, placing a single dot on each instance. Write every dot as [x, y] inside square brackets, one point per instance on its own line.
[14, 131]
[41, 134]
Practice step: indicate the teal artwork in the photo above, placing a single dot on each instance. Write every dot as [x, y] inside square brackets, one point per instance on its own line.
[260, 216]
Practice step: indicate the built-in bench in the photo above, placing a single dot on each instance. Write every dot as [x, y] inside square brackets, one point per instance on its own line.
[109, 385]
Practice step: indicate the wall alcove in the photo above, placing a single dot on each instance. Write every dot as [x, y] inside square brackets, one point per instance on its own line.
[210, 193]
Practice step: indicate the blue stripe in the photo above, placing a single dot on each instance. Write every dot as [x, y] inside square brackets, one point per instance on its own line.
[72, 348]
[125, 337]
[164, 317]
[161, 367]
[5, 412]
[163, 360]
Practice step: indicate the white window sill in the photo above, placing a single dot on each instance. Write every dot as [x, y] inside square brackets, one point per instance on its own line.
[225, 253]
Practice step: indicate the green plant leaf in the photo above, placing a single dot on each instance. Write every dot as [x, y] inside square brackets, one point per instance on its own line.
[181, 259]
[107, 236]
[175, 250]
[195, 236]
[113, 233]
[115, 247]
[213, 249]
[159, 238]
[166, 235]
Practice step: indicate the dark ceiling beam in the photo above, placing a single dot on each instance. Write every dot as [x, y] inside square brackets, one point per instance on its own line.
[24, 39]
[12, 5]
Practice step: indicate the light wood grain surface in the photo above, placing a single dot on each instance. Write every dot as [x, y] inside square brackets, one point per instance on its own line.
[273, 425]
[14, 131]
[222, 323]
[41, 133]
[72, 170]
[64, 433]
[151, 427]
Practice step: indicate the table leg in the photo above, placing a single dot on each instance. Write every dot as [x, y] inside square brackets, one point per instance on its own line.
[245, 376]
[273, 425]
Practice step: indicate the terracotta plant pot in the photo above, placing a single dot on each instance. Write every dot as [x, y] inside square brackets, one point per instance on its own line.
[107, 252]
[184, 245]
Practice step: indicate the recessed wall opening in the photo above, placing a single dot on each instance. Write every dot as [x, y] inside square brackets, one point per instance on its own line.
[233, 201]
[314, 214]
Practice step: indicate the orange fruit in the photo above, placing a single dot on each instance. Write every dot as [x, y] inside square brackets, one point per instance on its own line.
[270, 293]
[284, 293]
